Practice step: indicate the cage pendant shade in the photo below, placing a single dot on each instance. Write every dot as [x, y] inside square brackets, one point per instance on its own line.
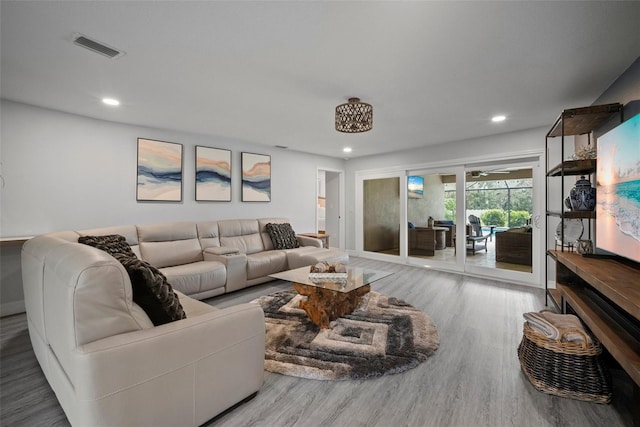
[354, 116]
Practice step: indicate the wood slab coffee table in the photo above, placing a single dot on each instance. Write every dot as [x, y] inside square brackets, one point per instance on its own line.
[327, 301]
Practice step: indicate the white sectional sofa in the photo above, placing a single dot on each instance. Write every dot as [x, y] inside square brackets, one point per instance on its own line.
[210, 258]
[103, 357]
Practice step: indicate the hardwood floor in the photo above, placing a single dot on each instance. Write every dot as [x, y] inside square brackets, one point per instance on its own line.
[474, 379]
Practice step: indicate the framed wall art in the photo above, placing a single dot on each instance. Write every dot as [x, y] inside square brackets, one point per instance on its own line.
[159, 171]
[415, 188]
[256, 177]
[213, 174]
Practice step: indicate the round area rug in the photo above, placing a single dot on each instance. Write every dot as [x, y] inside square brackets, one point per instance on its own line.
[384, 335]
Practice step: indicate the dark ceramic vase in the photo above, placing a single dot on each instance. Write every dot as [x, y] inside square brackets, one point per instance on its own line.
[583, 196]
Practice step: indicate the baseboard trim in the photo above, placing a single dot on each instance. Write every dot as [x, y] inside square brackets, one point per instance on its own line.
[10, 308]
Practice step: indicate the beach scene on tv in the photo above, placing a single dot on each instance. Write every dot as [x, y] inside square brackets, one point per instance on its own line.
[618, 190]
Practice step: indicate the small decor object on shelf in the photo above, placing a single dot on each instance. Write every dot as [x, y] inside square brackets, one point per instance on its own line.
[573, 229]
[586, 152]
[584, 247]
[583, 195]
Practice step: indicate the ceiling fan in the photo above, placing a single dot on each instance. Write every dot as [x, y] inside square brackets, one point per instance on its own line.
[479, 173]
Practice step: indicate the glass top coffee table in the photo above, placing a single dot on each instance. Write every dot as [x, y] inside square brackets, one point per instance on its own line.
[327, 300]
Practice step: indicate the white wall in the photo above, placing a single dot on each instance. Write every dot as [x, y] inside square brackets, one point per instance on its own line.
[63, 171]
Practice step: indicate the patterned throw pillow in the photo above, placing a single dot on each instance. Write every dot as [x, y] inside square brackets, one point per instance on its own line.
[151, 291]
[282, 236]
[111, 244]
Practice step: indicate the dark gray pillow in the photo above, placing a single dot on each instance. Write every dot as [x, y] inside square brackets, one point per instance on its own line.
[111, 244]
[282, 236]
[151, 291]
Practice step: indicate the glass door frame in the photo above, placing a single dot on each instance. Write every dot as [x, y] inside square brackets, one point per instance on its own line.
[534, 159]
[360, 178]
[458, 265]
[538, 232]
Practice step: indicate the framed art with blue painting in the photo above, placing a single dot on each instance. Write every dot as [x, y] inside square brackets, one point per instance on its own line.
[213, 174]
[415, 187]
[256, 177]
[159, 171]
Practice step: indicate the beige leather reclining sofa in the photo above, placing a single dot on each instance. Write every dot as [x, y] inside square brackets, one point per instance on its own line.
[103, 357]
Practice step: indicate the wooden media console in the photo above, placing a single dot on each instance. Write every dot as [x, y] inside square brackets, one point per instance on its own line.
[605, 294]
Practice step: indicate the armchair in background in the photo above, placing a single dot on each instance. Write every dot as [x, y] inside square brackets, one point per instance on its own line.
[514, 246]
[422, 241]
[475, 239]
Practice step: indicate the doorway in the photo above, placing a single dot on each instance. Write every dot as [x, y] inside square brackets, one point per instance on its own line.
[330, 206]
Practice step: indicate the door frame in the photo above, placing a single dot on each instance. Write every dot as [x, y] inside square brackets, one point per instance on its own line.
[339, 198]
[535, 157]
[538, 232]
[359, 217]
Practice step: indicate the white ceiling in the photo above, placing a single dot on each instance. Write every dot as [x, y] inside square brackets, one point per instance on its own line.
[272, 72]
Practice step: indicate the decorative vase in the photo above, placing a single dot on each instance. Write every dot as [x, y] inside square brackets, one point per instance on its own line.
[430, 222]
[583, 195]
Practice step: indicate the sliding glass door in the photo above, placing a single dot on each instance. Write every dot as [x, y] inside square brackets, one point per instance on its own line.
[431, 216]
[502, 236]
[381, 215]
[478, 218]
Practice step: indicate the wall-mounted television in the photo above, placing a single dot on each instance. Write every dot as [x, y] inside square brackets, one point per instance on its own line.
[618, 191]
[415, 187]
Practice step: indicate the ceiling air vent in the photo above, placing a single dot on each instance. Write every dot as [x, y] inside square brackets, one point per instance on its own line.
[96, 46]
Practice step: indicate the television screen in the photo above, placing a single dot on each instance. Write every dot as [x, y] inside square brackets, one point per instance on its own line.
[618, 190]
[416, 187]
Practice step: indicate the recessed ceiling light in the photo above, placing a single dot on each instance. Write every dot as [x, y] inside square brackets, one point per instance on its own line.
[497, 119]
[346, 149]
[111, 101]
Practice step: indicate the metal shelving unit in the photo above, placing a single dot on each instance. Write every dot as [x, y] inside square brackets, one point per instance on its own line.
[571, 122]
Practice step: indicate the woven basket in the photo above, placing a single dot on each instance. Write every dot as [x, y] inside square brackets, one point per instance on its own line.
[564, 369]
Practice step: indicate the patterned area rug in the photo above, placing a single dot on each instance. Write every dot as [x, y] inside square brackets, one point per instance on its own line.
[384, 335]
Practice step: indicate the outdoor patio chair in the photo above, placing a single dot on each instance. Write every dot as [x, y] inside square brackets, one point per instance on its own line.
[475, 239]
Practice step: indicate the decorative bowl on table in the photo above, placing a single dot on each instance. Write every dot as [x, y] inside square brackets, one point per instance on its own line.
[324, 272]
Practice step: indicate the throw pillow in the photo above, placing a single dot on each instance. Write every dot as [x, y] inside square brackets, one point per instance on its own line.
[111, 244]
[282, 236]
[151, 291]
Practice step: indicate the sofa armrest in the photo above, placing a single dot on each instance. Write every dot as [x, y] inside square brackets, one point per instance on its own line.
[236, 265]
[185, 371]
[309, 241]
[221, 250]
